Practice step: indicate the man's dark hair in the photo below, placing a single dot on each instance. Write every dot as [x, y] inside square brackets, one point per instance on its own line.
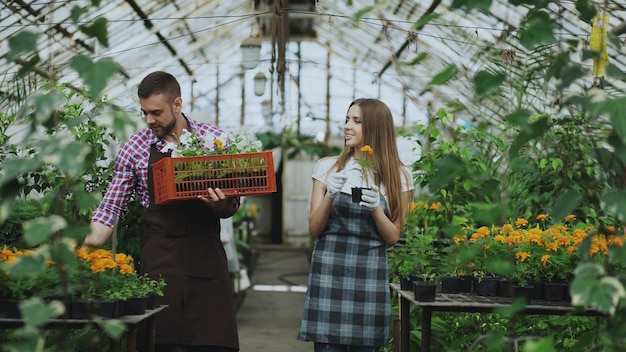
[159, 82]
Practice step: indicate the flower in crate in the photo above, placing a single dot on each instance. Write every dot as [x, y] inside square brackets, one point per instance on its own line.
[192, 144]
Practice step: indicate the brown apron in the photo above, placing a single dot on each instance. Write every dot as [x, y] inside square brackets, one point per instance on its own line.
[181, 242]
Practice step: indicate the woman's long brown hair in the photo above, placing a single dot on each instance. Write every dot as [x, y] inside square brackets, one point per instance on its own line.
[380, 134]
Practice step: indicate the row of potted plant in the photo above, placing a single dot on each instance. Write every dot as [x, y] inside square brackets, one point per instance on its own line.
[91, 279]
[523, 253]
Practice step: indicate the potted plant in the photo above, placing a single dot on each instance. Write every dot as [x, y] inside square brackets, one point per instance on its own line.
[366, 166]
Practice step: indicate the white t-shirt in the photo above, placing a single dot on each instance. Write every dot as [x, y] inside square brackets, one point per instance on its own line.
[352, 170]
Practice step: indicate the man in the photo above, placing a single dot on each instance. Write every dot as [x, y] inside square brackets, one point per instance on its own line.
[181, 240]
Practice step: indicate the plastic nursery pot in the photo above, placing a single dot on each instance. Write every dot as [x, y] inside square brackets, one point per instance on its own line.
[357, 193]
[425, 291]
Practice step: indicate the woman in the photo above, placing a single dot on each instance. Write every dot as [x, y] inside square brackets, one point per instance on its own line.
[347, 305]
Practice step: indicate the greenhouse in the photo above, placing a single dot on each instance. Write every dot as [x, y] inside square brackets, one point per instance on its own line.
[176, 175]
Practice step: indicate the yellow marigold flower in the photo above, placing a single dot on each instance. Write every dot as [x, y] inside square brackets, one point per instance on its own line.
[127, 269]
[552, 246]
[435, 206]
[542, 217]
[500, 239]
[253, 209]
[458, 238]
[367, 149]
[617, 240]
[611, 229]
[97, 267]
[521, 222]
[466, 228]
[507, 228]
[522, 255]
[83, 253]
[218, 144]
[544, 259]
[570, 217]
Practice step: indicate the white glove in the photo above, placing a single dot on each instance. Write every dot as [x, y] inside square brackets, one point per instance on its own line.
[370, 198]
[335, 183]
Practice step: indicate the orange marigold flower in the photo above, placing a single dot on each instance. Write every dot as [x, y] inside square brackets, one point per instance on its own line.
[552, 246]
[542, 217]
[435, 206]
[544, 259]
[458, 238]
[522, 255]
[367, 149]
[507, 228]
[570, 217]
[127, 269]
[521, 222]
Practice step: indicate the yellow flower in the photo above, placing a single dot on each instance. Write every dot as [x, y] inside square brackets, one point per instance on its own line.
[366, 163]
[570, 218]
[542, 217]
[521, 222]
[522, 256]
[544, 259]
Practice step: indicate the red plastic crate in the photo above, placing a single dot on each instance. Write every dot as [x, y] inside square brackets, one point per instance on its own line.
[235, 174]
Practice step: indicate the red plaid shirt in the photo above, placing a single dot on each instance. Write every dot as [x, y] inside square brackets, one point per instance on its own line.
[130, 172]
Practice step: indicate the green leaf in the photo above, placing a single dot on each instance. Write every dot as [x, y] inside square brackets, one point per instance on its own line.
[113, 328]
[76, 12]
[26, 266]
[520, 118]
[12, 168]
[21, 43]
[537, 30]
[586, 10]
[591, 288]
[444, 76]
[40, 229]
[97, 30]
[448, 168]
[565, 203]
[614, 201]
[36, 313]
[570, 74]
[424, 20]
[538, 129]
[359, 15]
[95, 74]
[486, 81]
[614, 72]
[419, 58]
[46, 104]
[65, 154]
[543, 345]
[469, 5]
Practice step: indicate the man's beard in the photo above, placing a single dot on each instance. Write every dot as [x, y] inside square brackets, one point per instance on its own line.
[167, 129]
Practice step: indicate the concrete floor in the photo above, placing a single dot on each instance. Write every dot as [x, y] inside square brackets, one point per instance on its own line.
[269, 316]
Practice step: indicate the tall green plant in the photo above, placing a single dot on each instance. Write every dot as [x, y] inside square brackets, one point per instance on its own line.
[55, 142]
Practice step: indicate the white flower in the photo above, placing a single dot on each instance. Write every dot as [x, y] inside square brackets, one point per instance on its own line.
[169, 147]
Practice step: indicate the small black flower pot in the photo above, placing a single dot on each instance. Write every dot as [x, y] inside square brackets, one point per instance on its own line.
[357, 194]
[406, 284]
[450, 284]
[465, 284]
[526, 293]
[486, 286]
[554, 291]
[425, 291]
[9, 308]
[135, 305]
